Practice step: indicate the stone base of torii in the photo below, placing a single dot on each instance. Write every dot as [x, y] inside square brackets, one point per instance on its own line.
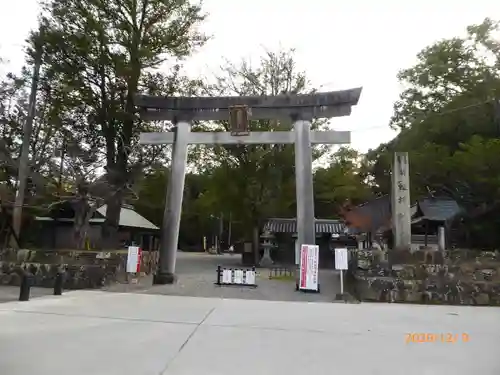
[301, 109]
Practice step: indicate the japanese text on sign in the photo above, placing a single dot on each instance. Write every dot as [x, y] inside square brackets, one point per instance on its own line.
[341, 259]
[309, 262]
[134, 259]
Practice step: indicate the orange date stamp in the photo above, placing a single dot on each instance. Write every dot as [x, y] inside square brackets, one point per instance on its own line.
[446, 338]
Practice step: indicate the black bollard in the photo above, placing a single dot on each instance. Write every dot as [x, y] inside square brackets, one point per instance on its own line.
[24, 290]
[58, 284]
[219, 275]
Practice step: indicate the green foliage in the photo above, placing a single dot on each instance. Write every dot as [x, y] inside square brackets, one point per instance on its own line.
[255, 182]
[339, 183]
[252, 183]
[98, 55]
[449, 116]
[101, 53]
[458, 67]
[151, 190]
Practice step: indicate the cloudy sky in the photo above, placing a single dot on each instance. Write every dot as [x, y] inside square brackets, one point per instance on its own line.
[340, 44]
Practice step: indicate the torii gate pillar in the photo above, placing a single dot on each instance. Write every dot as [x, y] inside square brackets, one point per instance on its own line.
[169, 238]
[304, 190]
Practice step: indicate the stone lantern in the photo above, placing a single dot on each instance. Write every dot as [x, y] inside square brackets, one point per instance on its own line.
[267, 244]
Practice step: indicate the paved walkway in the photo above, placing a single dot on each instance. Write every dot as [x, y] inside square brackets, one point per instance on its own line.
[98, 333]
[11, 293]
[197, 274]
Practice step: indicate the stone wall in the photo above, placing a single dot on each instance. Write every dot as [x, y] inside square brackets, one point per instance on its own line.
[75, 277]
[82, 269]
[459, 277]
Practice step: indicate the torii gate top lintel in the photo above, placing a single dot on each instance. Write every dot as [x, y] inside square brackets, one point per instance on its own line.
[331, 98]
[317, 105]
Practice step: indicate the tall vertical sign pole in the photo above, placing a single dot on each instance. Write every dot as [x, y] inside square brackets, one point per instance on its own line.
[341, 281]
[172, 217]
[401, 212]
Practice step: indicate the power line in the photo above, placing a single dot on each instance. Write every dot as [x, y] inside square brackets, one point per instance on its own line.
[368, 128]
[436, 114]
[453, 110]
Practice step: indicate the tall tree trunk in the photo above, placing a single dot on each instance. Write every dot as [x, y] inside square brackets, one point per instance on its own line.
[23, 171]
[81, 226]
[256, 244]
[120, 176]
[112, 222]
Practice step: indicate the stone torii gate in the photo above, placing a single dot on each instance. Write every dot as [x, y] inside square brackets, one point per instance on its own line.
[301, 109]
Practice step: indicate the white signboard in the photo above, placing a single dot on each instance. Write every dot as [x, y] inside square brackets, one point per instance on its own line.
[227, 276]
[250, 277]
[341, 259]
[238, 277]
[103, 255]
[134, 259]
[309, 264]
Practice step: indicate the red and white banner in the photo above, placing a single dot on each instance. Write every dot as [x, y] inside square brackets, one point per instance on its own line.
[309, 265]
[134, 257]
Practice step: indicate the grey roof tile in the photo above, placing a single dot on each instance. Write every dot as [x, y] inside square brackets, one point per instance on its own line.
[287, 225]
[439, 209]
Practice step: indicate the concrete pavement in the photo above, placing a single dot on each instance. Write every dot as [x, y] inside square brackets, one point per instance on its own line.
[10, 293]
[92, 332]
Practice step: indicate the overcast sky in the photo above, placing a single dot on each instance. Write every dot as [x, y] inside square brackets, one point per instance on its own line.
[340, 44]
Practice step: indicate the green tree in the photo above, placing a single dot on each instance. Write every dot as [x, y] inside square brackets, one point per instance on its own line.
[339, 183]
[449, 121]
[102, 53]
[458, 67]
[13, 113]
[256, 182]
[195, 222]
[450, 96]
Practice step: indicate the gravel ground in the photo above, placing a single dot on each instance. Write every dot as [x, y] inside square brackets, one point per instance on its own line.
[197, 274]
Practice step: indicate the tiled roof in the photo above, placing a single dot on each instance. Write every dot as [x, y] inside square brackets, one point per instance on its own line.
[378, 209]
[371, 216]
[130, 218]
[280, 225]
[379, 212]
[439, 209]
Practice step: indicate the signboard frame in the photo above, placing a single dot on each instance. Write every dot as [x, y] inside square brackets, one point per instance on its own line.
[342, 264]
[341, 259]
[134, 256]
[236, 277]
[309, 269]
